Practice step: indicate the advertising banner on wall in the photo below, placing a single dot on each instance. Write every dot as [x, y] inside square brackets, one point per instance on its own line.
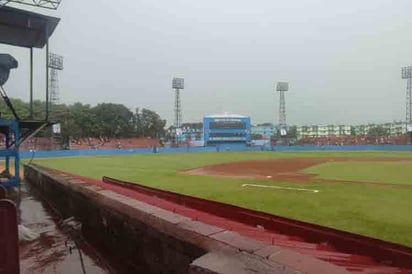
[56, 128]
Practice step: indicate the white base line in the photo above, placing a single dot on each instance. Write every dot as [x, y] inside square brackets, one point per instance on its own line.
[281, 187]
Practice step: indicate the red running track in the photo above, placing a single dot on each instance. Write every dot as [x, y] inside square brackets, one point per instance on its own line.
[358, 254]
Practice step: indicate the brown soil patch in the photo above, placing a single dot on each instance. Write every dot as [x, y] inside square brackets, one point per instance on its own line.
[289, 170]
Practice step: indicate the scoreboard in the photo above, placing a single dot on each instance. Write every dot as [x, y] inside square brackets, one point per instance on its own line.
[228, 125]
[227, 128]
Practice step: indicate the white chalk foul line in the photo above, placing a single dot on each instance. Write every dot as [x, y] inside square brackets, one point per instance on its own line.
[282, 187]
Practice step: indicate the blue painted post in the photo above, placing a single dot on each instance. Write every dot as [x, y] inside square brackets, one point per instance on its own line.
[17, 148]
[7, 167]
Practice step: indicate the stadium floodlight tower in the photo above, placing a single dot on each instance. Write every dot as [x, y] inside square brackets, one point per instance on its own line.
[406, 73]
[282, 87]
[177, 85]
[55, 64]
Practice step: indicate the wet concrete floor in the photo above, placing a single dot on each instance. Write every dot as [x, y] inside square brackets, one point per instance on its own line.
[55, 250]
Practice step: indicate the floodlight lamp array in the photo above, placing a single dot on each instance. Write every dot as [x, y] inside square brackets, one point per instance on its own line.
[55, 61]
[282, 86]
[178, 83]
[406, 72]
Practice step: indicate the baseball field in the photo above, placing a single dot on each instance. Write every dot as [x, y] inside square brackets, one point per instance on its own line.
[369, 193]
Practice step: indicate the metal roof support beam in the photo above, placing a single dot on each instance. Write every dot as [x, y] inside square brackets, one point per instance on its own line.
[47, 76]
[31, 83]
[47, 4]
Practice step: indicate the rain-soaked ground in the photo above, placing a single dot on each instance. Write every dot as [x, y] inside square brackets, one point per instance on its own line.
[54, 251]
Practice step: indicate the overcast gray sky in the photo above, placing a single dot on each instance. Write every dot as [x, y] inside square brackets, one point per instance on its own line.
[342, 58]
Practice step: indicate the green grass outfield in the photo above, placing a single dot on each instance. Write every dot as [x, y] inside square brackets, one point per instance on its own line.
[383, 212]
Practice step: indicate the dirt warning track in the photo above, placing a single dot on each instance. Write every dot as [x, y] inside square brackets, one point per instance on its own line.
[290, 170]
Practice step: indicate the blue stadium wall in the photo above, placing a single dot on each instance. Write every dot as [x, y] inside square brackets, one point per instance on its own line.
[226, 129]
[226, 147]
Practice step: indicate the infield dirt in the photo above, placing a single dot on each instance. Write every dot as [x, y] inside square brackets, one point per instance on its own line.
[289, 170]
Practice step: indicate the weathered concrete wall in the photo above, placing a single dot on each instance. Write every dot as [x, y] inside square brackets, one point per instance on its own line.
[136, 245]
[147, 239]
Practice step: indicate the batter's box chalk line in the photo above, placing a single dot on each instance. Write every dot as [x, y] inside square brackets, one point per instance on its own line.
[282, 188]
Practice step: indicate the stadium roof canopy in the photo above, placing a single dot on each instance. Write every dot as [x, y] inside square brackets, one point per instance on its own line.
[25, 29]
[30, 30]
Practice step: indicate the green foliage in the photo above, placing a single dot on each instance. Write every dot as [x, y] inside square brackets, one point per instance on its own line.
[377, 211]
[113, 120]
[21, 108]
[149, 123]
[106, 120]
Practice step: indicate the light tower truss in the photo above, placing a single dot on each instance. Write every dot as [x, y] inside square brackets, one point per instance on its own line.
[47, 4]
[55, 64]
[282, 87]
[406, 73]
[178, 110]
[178, 84]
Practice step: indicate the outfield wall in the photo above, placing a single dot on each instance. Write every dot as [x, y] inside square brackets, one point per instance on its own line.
[220, 148]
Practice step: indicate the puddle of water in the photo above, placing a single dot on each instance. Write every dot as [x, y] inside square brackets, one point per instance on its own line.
[51, 253]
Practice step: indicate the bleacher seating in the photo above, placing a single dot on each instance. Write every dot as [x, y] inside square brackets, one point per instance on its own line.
[124, 143]
[354, 140]
[48, 143]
